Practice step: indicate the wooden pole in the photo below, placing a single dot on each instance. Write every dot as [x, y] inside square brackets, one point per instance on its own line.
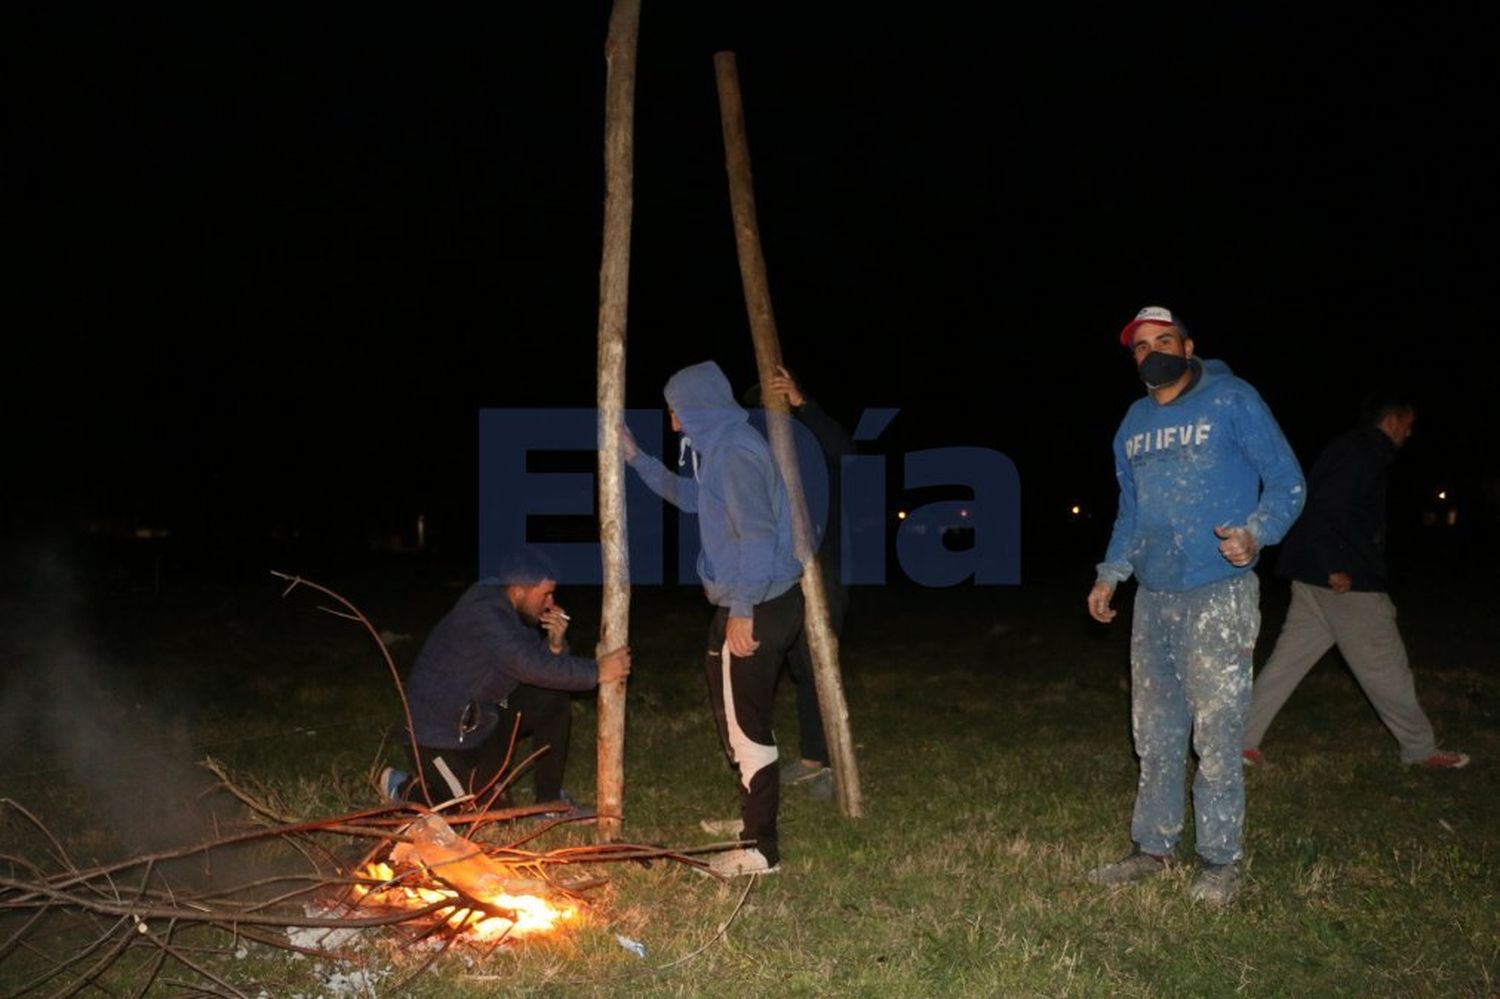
[614, 290]
[820, 637]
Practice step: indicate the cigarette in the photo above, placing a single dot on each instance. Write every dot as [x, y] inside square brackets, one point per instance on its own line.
[564, 615]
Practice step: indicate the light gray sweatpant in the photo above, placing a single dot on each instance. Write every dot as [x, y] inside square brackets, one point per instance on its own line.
[1363, 625]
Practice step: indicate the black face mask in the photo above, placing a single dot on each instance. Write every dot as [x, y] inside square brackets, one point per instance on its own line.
[1159, 369]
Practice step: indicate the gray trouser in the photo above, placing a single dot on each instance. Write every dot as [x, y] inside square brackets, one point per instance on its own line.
[1363, 625]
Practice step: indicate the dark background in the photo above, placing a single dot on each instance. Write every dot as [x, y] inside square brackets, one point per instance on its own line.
[266, 268]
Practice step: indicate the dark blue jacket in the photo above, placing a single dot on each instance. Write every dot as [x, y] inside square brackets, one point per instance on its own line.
[1343, 528]
[474, 659]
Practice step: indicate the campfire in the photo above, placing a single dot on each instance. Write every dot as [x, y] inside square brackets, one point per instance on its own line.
[488, 900]
[86, 926]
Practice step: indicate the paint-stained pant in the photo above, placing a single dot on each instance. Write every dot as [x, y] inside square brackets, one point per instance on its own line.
[1190, 665]
[742, 693]
[1364, 627]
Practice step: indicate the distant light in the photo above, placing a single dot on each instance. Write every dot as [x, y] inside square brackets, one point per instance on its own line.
[900, 514]
[1075, 509]
[1442, 494]
[963, 511]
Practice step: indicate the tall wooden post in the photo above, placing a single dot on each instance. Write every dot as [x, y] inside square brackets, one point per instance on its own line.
[822, 642]
[614, 293]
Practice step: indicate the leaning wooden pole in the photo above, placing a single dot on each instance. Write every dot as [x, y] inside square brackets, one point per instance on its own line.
[822, 642]
[614, 294]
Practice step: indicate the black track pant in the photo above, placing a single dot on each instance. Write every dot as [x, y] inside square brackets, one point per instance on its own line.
[742, 693]
[546, 719]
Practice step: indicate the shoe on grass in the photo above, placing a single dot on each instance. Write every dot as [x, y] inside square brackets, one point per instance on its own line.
[722, 827]
[800, 770]
[1216, 884]
[1137, 865]
[1445, 760]
[390, 782]
[1253, 757]
[819, 785]
[575, 809]
[737, 863]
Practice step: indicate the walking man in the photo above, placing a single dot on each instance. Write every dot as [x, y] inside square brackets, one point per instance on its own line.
[1335, 557]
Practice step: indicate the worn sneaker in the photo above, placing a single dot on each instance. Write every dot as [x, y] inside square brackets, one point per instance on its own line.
[819, 785]
[575, 810]
[1137, 865]
[798, 770]
[722, 827]
[1445, 760]
[736, 863]
[1252, 757]
[1216, 884]
[390, 781]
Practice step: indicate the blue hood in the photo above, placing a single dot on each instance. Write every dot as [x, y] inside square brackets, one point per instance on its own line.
[701, 397]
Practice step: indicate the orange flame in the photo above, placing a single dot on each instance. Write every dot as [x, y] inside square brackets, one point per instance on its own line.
[535, 916]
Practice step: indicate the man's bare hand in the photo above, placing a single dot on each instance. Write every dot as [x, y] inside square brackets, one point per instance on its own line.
[783, 383]
[614, 665]
[554, 621]
[1236, 545]
[740, 634]
[1340, 582]
[1098, 600]
[628, 447]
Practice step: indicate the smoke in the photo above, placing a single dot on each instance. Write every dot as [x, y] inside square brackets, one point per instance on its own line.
[81, 743]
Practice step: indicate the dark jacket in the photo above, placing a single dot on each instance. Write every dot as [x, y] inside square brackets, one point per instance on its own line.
[829, 445]
[473, 660]
[1343, 527]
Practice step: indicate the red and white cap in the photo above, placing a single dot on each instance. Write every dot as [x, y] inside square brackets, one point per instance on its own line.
[1150, 314]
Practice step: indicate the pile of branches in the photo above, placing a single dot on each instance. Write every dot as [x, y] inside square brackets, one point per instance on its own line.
[70, 925]
[138, 923]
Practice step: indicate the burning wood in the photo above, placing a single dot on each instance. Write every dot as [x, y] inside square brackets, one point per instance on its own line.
[76, 924]
[514, 906]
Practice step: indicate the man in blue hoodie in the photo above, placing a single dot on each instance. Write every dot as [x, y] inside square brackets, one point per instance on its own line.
[1206, 480]
[749, 572]
[498, 657]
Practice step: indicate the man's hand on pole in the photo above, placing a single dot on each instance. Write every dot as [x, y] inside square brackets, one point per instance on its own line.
[614, 665]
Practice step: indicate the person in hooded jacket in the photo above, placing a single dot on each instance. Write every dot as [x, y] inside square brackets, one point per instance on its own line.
[1206, 480]
[750, 573]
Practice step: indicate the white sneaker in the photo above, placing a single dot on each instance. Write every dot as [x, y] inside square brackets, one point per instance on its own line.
[390, 781]
[735, 863]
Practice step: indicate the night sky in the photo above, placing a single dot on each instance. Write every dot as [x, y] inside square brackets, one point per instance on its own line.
[267, 268]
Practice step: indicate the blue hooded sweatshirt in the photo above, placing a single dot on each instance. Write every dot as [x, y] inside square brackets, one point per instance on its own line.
[1212, 456]
[744, 517]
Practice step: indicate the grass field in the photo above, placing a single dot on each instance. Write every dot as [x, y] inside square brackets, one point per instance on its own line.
[995, 754]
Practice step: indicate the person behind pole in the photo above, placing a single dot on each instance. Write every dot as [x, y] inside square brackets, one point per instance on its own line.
[1206, 479]
[1335, 557]
[750, 573]
[499, 655]
[811, 770]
